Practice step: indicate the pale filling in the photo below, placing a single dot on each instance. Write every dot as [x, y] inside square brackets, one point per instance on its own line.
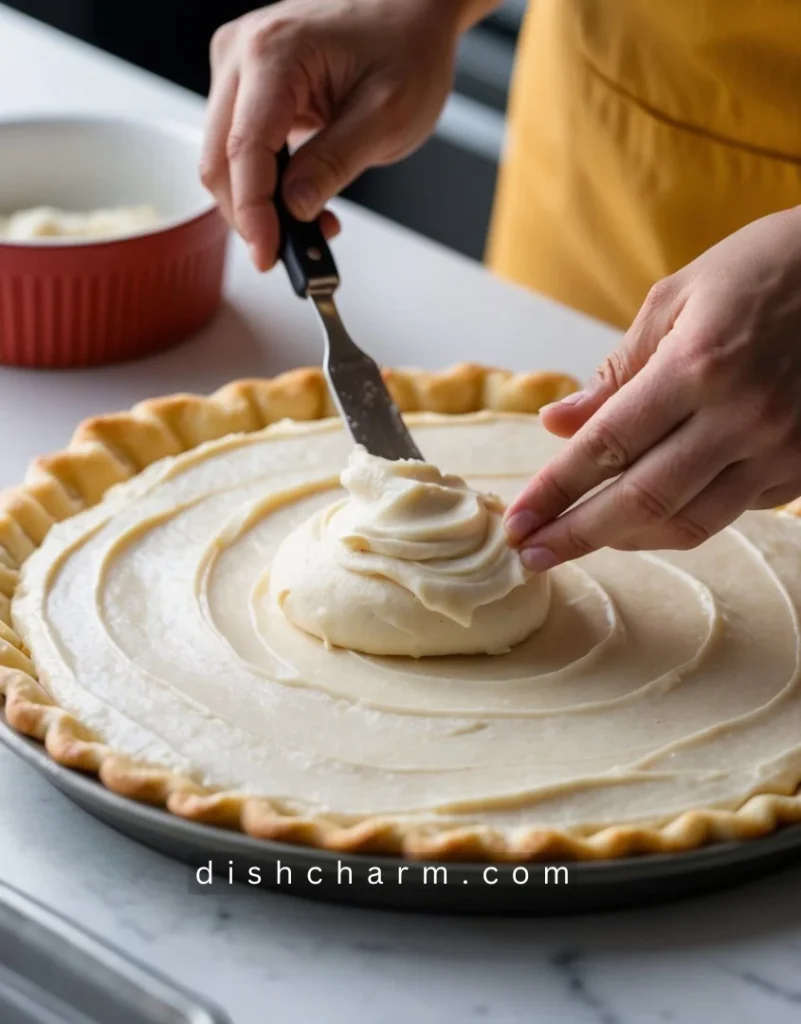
[411, 562]
[43, 222]
[658, 682]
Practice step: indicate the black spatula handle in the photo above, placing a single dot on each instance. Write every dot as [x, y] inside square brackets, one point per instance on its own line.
[303, 249]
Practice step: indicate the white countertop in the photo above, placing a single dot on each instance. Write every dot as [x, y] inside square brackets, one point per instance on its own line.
[265, 956]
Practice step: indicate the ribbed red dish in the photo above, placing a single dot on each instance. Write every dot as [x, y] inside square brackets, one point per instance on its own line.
[72, 303]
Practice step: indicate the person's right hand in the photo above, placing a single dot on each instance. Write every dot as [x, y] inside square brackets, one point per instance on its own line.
[369, 77]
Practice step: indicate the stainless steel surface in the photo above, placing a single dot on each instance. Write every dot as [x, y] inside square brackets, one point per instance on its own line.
[359, 390]
[52, 972]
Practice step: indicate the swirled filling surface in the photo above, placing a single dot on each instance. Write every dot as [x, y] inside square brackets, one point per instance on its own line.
[656, 683]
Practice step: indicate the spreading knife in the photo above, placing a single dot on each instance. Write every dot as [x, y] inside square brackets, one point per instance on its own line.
[358, 390]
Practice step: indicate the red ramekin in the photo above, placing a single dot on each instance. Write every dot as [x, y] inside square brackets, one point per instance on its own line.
[83, 302]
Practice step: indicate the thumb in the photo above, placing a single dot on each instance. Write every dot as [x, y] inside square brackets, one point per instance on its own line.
[654, 320]
[333, 158]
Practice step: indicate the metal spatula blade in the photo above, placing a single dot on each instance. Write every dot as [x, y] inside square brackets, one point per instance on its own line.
[359, 391]
[355, 381]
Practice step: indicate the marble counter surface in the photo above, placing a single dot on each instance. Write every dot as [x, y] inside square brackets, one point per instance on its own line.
[264, 957]
[269, 957]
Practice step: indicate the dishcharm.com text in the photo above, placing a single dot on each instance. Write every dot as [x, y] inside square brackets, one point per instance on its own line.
[342, 874]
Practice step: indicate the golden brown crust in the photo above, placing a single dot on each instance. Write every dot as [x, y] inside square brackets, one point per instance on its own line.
[108, 449]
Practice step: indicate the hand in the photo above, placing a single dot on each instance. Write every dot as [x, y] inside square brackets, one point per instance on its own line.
[697, 414]
[369, 77]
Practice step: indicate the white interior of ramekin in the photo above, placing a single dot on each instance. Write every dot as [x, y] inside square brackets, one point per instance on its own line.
[88, 163]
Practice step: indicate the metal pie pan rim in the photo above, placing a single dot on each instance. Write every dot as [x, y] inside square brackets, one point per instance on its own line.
[613, 871]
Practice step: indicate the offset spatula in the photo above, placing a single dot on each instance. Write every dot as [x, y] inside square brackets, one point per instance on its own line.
[353, 377]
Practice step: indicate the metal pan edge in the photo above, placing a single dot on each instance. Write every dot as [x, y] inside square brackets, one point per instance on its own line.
[590, 886]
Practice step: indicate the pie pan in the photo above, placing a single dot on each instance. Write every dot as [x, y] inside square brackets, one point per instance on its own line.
[73, 302]
[114, 450]
[590, 885]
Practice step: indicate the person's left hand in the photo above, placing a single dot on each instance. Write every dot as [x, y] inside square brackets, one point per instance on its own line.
[697, 413]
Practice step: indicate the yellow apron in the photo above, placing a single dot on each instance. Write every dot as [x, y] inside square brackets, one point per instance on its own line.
[641, 133]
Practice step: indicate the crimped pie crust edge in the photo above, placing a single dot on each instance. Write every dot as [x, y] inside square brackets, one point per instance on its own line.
[107, 450]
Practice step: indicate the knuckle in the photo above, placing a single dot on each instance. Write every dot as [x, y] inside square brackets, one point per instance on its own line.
[603, 448]
[210, 173]
[612, 373]
[222, 39]
[577, 543]
[387, 101]
[240, 209]
[248, 206]
[658, 294]
[707, 357]
[236, 143]
[548, 484]
[271, 34]
[642, 505]
[687, 534]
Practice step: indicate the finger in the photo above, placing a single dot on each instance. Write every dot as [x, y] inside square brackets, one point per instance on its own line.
[303, 129]
[716, 507]
[334, 157]
[653, 322]
[631, 422]
[647, 498]
[781, 494]
[263, 114]
[330, 225]
[214, 161]
[565, 417]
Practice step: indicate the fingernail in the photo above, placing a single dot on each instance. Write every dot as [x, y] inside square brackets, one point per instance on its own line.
[538, 559]
[574, 399]
[302, 198]
[520, 525]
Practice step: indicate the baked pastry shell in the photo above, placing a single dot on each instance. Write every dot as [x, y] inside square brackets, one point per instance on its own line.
[108, 450]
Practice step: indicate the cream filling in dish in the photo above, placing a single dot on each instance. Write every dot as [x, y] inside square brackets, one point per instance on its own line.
[43, 222]
[652, 683]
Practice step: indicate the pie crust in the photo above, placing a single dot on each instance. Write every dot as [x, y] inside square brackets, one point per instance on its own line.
[108, 450]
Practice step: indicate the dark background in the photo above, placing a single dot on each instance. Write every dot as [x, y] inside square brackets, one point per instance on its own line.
[444, 190]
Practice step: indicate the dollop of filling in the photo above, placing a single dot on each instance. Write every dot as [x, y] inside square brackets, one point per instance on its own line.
[411, 562]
